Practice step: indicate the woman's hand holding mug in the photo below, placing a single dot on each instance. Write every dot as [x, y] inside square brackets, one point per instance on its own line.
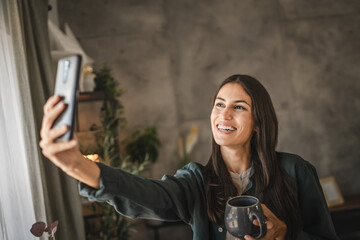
[276, 229]
[240, 213]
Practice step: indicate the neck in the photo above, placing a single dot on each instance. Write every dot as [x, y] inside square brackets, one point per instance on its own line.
[236, 159]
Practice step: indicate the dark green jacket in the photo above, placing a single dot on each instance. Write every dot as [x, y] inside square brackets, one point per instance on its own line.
[181, 198]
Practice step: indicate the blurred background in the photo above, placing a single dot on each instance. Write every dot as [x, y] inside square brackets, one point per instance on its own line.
[168, 58]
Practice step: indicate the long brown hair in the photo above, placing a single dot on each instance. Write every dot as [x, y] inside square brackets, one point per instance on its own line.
[271, 181]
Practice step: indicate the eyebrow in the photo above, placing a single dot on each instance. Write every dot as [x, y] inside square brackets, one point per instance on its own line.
[236, 101]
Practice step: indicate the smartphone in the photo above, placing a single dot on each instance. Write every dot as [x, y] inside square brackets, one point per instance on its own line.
[66, 86]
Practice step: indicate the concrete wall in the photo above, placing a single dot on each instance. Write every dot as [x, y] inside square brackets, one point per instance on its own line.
[170, 56]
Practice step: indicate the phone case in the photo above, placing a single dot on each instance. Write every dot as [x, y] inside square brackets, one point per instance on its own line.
[66, 86]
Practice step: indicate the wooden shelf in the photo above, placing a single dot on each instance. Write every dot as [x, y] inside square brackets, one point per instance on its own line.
[90, 96]
[351, 203]
[346, 218]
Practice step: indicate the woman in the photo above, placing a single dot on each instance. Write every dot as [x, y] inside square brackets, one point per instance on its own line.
[243, 162]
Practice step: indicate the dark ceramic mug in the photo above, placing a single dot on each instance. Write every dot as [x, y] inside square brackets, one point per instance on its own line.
[239, 214]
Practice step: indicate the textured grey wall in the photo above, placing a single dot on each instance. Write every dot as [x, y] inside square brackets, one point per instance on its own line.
[169, 56]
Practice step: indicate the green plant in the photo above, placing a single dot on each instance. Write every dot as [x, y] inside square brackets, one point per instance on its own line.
[143, 144]
[111, 115]
[112, 225]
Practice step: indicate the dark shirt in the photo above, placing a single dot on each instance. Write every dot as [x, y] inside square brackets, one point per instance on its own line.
[182, 198]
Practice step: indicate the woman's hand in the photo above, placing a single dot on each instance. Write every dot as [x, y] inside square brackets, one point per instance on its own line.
[65, 155]
[276, 229]
[62, 154]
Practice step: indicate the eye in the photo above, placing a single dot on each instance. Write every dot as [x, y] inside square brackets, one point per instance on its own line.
[219, 105]
[239, 107]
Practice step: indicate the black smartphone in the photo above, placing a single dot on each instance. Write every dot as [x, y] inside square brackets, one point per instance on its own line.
[66, 86]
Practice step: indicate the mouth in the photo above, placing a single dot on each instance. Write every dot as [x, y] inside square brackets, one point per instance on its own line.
[225, 128]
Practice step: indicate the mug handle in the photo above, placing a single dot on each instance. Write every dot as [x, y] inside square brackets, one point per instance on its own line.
[261, 221]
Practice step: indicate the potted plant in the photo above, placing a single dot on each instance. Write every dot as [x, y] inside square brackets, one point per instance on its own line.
[141, 148]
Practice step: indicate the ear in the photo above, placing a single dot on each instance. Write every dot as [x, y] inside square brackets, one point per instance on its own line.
[256, 129]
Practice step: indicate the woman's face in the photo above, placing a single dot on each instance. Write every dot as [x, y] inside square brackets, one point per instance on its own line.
[232, 122]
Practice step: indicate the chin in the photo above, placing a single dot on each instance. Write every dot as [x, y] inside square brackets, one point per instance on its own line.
[221, 142]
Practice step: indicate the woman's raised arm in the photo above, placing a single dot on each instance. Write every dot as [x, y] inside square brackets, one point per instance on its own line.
[65, 155]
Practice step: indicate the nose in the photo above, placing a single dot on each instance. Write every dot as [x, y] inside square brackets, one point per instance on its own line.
[227, 114]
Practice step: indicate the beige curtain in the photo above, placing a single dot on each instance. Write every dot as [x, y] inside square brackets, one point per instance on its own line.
[17, 211]
[28, 23]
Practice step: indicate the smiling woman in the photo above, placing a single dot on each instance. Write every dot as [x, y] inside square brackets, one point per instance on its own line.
[243, 162]
[242, 104]
[231, 118]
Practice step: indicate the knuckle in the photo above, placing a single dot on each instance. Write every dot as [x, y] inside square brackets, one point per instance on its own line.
[47, 151]
[44, 136]
[44, 152]
[45, 118]
[42, 133]
[45, 108]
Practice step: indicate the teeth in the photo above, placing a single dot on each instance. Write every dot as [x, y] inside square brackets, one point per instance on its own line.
[226, 128]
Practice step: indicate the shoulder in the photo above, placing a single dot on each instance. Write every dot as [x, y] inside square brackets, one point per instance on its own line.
[295, 165]
[193, 166]
[191, 171]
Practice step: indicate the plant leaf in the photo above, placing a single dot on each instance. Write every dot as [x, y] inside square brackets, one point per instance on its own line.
[38, 229]
[52, 228]
[54, 231]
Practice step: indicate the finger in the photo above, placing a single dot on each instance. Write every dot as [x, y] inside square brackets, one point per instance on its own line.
[53, 134]
[50, 103]
[269, 215]
[58, 147]
[248, 237]
[269, 224]
[49, 118]
[75, 136]
[266, 210]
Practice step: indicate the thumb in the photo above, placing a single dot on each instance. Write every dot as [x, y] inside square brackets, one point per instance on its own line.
[269, 225]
